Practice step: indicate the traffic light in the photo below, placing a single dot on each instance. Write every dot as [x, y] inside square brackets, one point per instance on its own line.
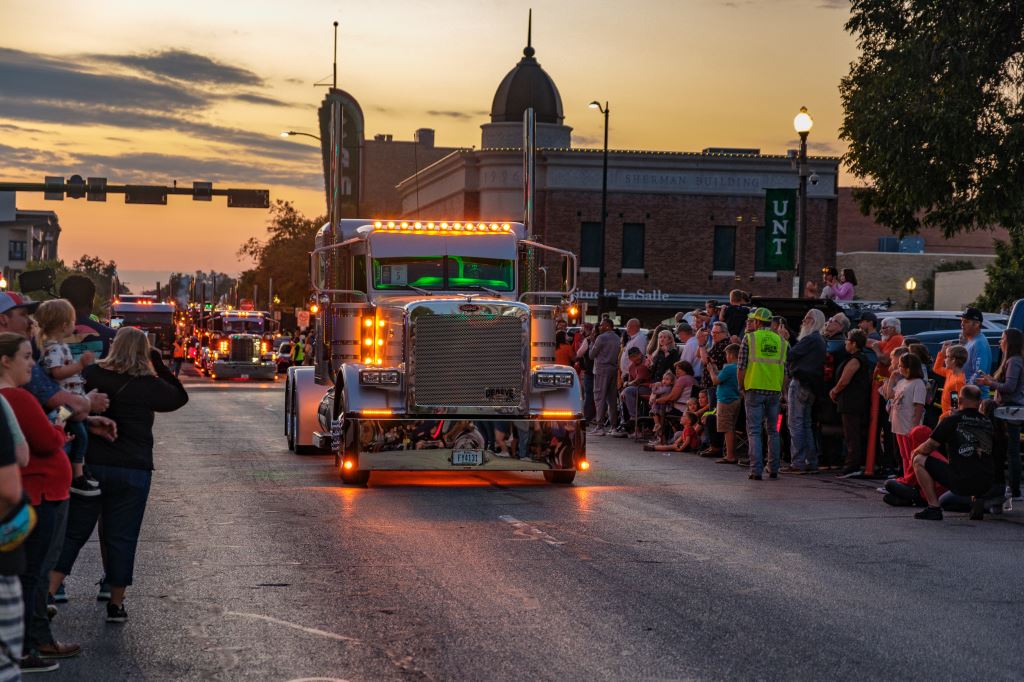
[248, 198]
[314, 309]
[96, 189]
[145, 194]
[76, 187]
[202, 191]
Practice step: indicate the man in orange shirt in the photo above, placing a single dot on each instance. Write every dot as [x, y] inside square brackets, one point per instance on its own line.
[891, 340]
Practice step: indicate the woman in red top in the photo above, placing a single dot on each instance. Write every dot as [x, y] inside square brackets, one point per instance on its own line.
[47, 477]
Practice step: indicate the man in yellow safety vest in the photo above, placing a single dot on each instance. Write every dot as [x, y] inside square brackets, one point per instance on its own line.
[761, 371]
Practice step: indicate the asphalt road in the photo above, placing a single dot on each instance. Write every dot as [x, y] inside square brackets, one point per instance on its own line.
[255, 563]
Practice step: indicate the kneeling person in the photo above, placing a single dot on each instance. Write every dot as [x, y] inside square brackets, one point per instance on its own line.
[967, 439]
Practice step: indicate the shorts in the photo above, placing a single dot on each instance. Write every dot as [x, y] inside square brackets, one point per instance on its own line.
[726, 414]
[967, 487]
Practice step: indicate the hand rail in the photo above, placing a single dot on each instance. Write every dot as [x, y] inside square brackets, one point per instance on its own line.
[313, 274]
[574, 270]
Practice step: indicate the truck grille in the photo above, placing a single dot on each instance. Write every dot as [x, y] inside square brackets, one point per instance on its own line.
[468, 361]
[243, 349]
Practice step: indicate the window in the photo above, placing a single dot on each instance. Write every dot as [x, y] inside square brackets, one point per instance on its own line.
[724, 259]
[632, 246]
[590, 245]
[759, 249]
[16, 250]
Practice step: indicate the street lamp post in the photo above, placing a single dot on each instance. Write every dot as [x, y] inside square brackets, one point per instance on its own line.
[802, 123]
[292, 133]
[910, 285]
[604, 207]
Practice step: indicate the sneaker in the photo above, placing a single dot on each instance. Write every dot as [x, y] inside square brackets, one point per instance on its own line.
[597, 431]
[116, 613]
[977, 509]
[61, 597]
[773, 475]
[81, 486]
[789, 469]
[620, 433]
[33, 664]
[754, 477]
[104, 593]
[929, 514]
[744, 462]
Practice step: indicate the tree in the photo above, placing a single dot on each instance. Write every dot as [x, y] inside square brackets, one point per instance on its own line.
[102, 273]
[934, 113]
[1005, 275]
[284, 256]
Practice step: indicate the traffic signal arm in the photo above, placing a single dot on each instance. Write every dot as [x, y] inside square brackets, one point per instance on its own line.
[97, 189]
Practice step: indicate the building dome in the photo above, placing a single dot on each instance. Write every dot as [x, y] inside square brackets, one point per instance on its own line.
[527, 85]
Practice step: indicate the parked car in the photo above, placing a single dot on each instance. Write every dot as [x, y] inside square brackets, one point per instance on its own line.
[283, 357]
[992, 328]
[915, 322]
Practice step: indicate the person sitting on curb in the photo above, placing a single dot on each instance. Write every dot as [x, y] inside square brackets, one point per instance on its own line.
[685, 440]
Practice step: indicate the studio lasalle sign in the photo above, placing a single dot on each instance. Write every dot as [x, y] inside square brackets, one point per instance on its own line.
[780, 222]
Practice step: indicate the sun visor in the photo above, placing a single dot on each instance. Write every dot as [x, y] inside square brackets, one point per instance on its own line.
[385, 245]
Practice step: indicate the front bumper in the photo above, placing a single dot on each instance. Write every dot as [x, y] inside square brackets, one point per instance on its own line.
[244, 370]
[444, 445]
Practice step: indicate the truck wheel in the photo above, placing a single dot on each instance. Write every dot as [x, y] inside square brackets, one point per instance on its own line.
[560, 477]
[354, 477]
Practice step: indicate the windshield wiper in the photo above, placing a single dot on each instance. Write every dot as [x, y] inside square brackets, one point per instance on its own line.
[492, 292]
[425, 292]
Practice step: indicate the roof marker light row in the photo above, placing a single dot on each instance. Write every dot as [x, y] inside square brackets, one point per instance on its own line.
[442, 227]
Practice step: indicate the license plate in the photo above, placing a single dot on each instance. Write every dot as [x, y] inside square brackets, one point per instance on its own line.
[467, 457]
[245, 376]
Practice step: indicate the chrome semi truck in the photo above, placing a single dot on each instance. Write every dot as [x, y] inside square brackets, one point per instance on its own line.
[435, 352]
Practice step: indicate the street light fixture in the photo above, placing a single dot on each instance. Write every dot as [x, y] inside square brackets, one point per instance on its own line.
[604, 207]
[802, 123]
[910, 285]
[292, 133]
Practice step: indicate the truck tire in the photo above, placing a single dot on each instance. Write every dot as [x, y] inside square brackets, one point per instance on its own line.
[357, 477]
[560, 477]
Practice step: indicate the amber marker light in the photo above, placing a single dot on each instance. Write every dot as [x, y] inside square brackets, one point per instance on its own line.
[349, 464]
[584, 465]
[557, 414]
[368, 322]
[376, 413]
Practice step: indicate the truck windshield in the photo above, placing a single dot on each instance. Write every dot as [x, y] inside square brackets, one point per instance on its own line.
[443, 272]
[137, 319]
[254, 326]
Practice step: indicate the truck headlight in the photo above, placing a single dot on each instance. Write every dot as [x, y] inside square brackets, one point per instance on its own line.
[378, 377]
[552, 379]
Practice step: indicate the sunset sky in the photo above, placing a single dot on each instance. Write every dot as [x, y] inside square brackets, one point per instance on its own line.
[145, 92]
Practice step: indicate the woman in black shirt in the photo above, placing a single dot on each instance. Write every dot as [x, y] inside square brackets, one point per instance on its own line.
[139, 385]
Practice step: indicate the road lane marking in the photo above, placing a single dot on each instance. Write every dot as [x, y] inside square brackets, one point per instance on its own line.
[530, 532]
[295, 626]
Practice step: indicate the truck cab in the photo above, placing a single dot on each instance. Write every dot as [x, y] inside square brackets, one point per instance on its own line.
[146, 313]
[434, 351]
[237, 348]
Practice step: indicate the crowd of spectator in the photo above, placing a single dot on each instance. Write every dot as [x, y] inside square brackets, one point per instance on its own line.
[77, 404]
[735, 383]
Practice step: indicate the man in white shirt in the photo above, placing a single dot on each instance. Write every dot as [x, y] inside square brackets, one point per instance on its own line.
[688, 347]
[635, 338]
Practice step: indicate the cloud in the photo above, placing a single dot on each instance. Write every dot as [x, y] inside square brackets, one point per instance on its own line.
[457, 115]
[30, 159]
[830, 148]
[253, 98]
[19, 129]
[585, 140]
[182, 65]
[151, 168]
[295, 81]
[834, 4]
[36, 77]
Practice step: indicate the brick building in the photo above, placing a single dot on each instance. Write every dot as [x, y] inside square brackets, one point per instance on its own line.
[387, 161]
[681, 226]
[884, 263]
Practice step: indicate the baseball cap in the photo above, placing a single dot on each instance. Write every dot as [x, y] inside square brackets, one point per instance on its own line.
[760, 314]
[10, 300]
[869, 316]
[972, 314]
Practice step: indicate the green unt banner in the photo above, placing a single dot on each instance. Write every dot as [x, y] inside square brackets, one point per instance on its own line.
[780, 229]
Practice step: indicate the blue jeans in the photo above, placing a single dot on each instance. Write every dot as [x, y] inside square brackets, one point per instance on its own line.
[121, 507]
[1013, 456]
[37, 544]
[76, 448]
[588, 396]
[762, 409]
[799, 402]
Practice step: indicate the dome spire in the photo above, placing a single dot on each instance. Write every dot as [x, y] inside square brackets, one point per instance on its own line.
[528, 51]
